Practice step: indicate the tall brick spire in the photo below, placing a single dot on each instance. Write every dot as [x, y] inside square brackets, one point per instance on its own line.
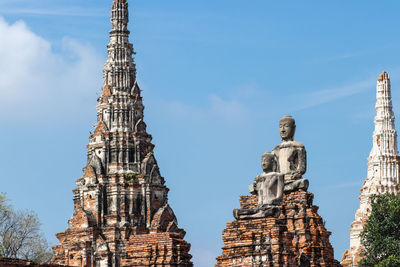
[121, 213]
[383, 166]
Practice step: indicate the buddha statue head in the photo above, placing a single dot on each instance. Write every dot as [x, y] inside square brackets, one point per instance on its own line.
[287, 128]
[268, 163]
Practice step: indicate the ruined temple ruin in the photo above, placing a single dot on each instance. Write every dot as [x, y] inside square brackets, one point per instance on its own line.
[278, 225]
[383, 166]
[121, 213]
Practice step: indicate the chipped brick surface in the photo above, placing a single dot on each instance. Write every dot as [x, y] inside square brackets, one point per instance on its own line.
[278, 241]
[8, 262]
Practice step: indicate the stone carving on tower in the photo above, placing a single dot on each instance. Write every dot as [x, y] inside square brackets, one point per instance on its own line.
[383, 166]
[278, 225]
[121, 213]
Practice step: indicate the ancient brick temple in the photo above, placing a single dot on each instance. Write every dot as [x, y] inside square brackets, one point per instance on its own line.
[383, 166]
[121, 213]
[278, 225]
[297, 237]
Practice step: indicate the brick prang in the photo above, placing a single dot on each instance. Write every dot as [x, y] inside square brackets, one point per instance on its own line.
[121, 214]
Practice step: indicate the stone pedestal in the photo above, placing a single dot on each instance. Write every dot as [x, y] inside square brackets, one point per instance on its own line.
[297, 237]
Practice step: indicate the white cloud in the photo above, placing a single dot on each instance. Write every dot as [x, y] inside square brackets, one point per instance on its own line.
[227, 110]
[35, 80]
[320, 97]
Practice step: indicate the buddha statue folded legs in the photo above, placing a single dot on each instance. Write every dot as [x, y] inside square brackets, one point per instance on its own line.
[268, 186]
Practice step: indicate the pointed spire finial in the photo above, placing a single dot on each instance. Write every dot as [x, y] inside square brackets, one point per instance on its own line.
[383, 76]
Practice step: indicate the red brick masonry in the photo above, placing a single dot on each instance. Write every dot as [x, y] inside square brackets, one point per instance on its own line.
[142, 249]
[18, 263]
[279, 241]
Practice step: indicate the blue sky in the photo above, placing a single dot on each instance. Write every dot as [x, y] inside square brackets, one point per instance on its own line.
[216, 77]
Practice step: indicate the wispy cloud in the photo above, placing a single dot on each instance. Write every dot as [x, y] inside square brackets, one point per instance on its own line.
[316, 98]
[320, 97]
[230, 110]
[37, 82]
[342, 56]
[224, 109]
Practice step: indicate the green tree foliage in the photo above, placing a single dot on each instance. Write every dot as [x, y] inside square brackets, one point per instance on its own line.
[391, 261]
[381, 233]
[20, 235]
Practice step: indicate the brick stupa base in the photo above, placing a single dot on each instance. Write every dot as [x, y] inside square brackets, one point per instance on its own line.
[158, 249]
[146, 249]
[279, 241]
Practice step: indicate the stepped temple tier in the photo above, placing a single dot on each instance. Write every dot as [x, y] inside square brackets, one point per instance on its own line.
[278, 225]
[121, 213]
[383, 166]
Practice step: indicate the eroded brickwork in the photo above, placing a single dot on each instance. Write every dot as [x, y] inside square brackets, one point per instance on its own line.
[297, 237]
[8, 262]
[121, 213]
[157, 249]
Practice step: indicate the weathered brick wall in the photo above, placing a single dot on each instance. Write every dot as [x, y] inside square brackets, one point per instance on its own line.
[18, 263]
[158, 249]
[167, 249]
[278, 241]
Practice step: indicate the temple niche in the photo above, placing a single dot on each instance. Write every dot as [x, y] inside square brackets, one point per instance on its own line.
[277, 225]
